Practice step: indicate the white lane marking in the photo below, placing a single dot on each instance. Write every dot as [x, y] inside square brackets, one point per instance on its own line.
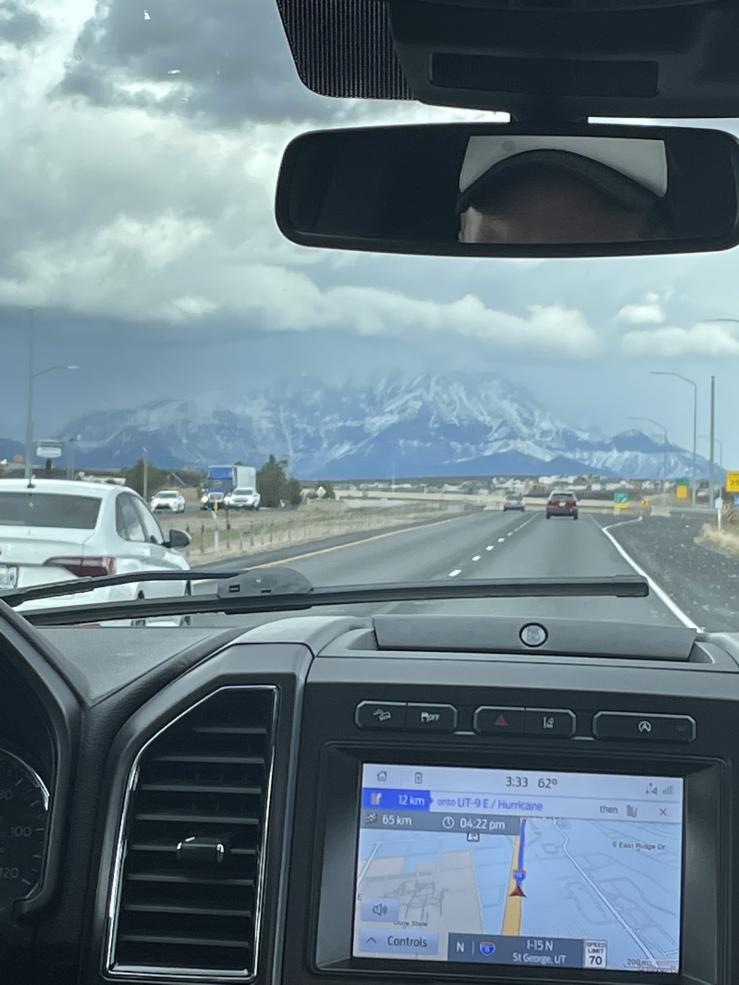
[622, 523]
[476, 557]
[653, 586]
[489, 547]
[511, 532]
[457, 571]
[501, 540]
[349, 543]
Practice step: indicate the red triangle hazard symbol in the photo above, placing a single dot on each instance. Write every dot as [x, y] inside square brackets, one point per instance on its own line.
[517, 891]
[501, 721]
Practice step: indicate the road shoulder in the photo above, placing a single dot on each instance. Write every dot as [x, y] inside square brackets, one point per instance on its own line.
[703, 583]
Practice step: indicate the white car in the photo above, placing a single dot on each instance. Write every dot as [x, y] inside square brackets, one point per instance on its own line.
[59, 530]
[244, 498]
[168, 499]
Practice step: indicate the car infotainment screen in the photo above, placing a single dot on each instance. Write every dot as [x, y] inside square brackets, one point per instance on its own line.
[489, 866]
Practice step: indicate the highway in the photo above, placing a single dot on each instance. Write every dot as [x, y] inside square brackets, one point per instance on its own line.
[484, 545]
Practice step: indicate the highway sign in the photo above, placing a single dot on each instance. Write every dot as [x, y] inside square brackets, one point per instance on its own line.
[732, 482]
[49, 449]
[620, 497]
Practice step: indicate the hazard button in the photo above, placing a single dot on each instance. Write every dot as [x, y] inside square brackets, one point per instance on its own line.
[499, 721]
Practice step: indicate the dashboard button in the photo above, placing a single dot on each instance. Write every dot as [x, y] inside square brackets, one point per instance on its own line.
[431, 718]
[498, 721]
[380, 908]
[397, 940]
[643, 728]
[558, 722]
[380, 714]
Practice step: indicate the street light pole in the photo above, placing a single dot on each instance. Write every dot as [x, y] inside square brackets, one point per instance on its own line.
[686, 379]
[29, 408]
[719, 442]
[711, 443]
[33, 375]
[146, 473]
[70, 455]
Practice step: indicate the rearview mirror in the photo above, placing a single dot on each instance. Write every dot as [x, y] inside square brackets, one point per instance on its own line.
[178, 540]
[478, 190]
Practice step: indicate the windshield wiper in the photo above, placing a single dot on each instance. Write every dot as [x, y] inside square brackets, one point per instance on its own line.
[75, 586]
[283, 589]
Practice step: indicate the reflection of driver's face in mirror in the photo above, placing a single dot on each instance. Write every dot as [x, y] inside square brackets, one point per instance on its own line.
[549, 207]
[557, 195]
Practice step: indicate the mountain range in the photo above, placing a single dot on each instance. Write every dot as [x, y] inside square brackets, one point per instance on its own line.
[445, 425]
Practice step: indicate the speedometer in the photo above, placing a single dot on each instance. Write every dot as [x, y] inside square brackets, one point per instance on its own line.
[24, 807]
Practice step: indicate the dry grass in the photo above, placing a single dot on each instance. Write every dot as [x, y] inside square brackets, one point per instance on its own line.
[726, 541]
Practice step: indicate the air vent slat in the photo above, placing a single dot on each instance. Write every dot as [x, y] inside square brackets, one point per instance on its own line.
[207, 758]
[186, 941]
[186, 878]
[193, 842]
[172, 849]
[188, 788]
[183, 817]
[189, 910]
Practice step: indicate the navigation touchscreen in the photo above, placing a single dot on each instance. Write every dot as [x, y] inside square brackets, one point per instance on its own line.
[571, 870]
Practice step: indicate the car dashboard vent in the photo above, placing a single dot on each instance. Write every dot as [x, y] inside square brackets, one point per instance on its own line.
[188, 881]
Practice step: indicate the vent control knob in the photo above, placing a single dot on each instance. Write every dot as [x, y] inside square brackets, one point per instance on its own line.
[198, 850]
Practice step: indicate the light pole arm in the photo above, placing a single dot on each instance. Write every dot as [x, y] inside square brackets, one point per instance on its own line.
[50, 369]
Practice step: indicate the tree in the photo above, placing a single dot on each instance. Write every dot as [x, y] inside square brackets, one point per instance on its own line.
[293, 493]
[328, 490]
[271, 482]
[134, 477]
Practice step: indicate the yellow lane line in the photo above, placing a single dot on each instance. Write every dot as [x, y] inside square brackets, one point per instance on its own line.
[354, 543]
[513, 906]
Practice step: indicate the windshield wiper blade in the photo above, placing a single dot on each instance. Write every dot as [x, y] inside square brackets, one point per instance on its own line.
[75, 586]
[240, 595]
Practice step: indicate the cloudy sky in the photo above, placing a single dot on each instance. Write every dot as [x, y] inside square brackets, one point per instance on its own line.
[139, 145]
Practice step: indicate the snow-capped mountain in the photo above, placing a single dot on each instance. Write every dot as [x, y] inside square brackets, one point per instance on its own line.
[432, 425]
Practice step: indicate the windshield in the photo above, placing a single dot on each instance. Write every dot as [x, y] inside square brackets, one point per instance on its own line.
[159, 331]
[32, 509]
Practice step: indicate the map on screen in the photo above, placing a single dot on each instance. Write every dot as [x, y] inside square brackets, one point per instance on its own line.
[577, 870]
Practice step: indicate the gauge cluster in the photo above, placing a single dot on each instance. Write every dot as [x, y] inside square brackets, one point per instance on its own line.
[24, 812]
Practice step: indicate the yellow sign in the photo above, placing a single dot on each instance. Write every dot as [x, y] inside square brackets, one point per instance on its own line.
[732, 482]
[681, 492]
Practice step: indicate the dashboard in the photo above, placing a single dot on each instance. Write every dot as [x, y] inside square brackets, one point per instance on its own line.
[327, 799]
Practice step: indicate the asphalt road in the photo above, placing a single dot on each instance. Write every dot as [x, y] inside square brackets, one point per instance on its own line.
[485, 545]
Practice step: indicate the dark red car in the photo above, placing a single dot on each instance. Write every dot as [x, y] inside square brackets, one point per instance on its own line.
[562, 503]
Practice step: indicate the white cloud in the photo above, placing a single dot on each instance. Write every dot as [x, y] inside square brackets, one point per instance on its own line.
[701, 340]
[283, 299]
[649, 311]
[181, 309]
[121, 213]
[132, 214]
